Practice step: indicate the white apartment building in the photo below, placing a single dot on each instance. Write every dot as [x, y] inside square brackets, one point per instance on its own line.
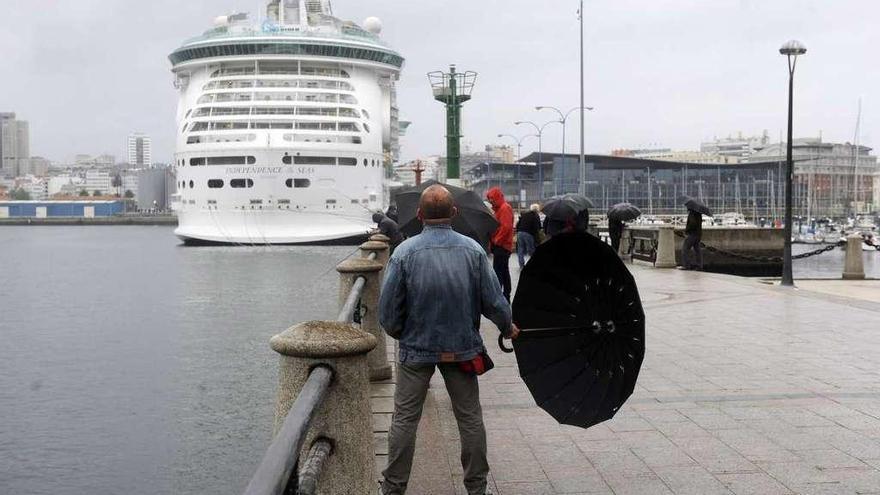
[739, 147]
[99, 180]
[139, 150]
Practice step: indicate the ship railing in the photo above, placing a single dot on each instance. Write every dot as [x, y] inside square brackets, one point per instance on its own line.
[323, 425]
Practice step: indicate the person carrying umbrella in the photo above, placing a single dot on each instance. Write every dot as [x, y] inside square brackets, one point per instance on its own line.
[527, 233]
[502, 239]
[617, 215]
[694, 231]
[388, 228]
[437, 284]
[566, 214]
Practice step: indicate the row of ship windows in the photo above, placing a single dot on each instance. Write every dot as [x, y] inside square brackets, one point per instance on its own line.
[308, 111]
[279, 83]
[300, 126]
[243, 183]
[297, 138]
[286, 160]
[275, 48]
[307, 97]
[268, 69]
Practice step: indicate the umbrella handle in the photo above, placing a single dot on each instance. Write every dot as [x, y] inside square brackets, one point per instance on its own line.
[504, 348]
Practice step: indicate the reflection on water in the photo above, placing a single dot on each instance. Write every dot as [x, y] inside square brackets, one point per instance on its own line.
[131, 364]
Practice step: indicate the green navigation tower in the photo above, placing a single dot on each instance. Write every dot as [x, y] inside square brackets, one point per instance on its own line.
[452, 89]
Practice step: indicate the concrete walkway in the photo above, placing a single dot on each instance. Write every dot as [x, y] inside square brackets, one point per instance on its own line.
[746, 389]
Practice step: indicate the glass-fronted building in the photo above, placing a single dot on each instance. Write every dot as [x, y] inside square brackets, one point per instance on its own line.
[754, 189]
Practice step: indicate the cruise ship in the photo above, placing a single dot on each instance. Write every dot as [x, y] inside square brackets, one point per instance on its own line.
[285, 124]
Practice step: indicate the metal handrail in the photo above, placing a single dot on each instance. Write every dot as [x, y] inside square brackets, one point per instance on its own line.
[352, 302]
[346, 314]
[277, 469]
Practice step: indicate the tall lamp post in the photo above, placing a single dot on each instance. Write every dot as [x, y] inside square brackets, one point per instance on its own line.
[518, 156]
[563, 118]
[452, 89]
[582, 166]
[540, 133]
[791, 50]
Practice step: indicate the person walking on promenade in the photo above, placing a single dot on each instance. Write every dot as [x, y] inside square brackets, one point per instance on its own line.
[388, 228]
[502, 239]
[615, 232]
[694, 231]
[527, 229]
[437, 284]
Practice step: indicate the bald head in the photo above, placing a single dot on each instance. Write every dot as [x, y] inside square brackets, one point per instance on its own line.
[436, 205]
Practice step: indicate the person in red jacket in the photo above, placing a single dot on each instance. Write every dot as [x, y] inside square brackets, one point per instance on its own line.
[502, 239]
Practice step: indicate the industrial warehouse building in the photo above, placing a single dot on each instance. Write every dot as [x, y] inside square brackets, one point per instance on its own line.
[54, 209]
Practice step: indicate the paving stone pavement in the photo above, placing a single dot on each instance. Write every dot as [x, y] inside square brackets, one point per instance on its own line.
[746, 389]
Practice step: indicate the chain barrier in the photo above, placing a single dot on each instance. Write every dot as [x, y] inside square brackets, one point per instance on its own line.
[768, 259]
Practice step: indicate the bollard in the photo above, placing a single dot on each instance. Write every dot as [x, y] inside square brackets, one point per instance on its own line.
[378, 247]
[854, 267]
[349, 271]
[345, 415]
[665, 247]
[623, 250]
[380, 238]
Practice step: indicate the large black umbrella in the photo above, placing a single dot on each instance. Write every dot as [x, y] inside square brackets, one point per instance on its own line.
[623, 212]
[474, 219]
[565, 209]
[583, 329]
[696, 205]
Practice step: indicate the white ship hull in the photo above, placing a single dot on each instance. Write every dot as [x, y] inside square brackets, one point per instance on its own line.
[285, 128]
[270, 227]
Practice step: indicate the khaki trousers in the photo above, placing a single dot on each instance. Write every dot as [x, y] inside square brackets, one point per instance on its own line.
[409, 397]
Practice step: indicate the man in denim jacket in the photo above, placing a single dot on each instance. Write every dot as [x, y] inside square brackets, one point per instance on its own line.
[437, 284]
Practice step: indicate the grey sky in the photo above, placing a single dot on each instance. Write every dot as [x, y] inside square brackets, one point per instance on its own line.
[665, 72]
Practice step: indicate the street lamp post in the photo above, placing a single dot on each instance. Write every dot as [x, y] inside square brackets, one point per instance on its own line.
[518, 156]
[563, 118]
[540, 133]
[791, 50]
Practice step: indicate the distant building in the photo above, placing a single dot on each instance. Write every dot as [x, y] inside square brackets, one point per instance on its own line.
[670, 155]
[98, 161]
[831, 179]
[35, 165]
[52, 209]
[825, 181]
[36, 187]
[14, 145]
[739, 148]
[99, 180]
[152, 188]
[66, 185]
[139, 150]
[431, 170]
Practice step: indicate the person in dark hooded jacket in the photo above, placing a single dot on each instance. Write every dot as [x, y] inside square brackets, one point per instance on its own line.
[388, 228]
[694, 231]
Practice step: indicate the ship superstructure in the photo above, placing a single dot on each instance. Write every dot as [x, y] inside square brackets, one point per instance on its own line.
[284, 127]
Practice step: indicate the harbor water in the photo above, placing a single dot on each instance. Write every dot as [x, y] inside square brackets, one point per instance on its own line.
[131, 364]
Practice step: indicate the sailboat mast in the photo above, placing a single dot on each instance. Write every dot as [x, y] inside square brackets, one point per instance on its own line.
[855, 205]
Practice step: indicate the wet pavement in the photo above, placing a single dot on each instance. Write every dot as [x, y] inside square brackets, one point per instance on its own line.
[746, 388]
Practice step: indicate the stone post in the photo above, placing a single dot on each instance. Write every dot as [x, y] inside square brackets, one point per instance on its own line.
[345, 415]
[665, 247]
[380, 238]
[349, 271]
[854, 267]
[625, 242]
[378, 247]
